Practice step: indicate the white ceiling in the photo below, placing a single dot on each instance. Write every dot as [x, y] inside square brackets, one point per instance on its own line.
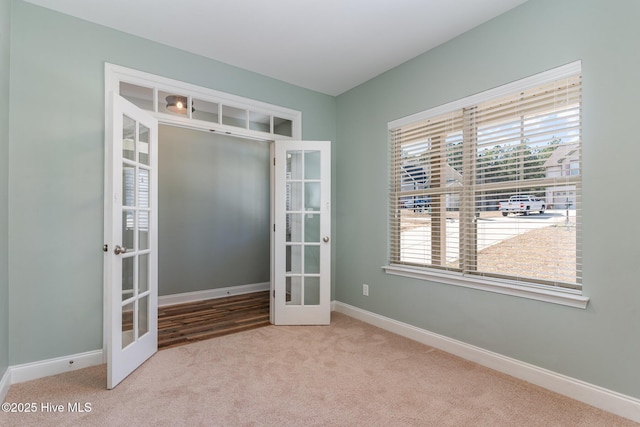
[329, 46]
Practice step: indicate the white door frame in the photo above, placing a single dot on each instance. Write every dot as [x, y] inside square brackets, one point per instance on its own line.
[116, 74]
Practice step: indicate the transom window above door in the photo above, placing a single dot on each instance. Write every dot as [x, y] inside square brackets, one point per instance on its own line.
[182, 104]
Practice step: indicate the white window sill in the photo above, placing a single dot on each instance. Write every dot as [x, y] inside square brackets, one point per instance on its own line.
[568, 297]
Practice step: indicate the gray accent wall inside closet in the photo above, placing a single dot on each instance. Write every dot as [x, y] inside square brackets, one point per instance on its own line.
[213, 211]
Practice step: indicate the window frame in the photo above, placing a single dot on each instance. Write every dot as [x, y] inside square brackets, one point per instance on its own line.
[503, 285]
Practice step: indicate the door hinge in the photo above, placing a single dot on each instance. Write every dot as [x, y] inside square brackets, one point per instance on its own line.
[274, 228]
[274, 161]
[274, 293]
[105, 248]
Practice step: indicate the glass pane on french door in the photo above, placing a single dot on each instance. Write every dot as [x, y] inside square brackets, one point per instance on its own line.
[135, 229]
[302, 227]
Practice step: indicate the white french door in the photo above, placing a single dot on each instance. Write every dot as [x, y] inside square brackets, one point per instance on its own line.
[301, 247]
[131, 242]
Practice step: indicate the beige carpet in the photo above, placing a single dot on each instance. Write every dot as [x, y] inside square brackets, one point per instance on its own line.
[346, 374]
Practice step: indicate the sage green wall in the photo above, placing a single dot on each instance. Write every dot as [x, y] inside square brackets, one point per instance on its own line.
[600, 345]
[57, 165]
[5, 21]
[56, 180]
[213, 211]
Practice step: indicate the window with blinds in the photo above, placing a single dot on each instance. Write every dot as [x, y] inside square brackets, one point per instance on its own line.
[492, 188]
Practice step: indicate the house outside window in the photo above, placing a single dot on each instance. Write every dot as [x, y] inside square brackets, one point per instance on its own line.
[489, 188]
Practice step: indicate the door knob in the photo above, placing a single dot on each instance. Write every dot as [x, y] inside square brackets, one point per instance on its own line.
[325, 239]
[119, 250]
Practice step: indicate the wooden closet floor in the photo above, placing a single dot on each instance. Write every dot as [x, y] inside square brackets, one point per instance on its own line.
[185, 323]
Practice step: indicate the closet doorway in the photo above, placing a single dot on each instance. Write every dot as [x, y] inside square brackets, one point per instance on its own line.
[213, 234]
[299, 198]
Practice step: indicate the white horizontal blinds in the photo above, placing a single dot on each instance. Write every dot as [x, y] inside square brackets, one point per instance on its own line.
[528, 145]
[451, 172]
[426, 168]
[516, 135]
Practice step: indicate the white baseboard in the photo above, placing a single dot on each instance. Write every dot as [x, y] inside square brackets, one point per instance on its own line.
[5, 383]
[185, 297]
[59, 365]
[608, 400]
[44, 368]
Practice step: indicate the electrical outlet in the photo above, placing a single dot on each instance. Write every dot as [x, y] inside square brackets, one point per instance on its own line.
[365, 289]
